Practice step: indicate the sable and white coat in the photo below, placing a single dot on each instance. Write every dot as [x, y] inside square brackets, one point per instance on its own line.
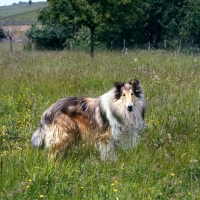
[112, 120]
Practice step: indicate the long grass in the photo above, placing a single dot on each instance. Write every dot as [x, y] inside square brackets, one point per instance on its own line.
[164, 165]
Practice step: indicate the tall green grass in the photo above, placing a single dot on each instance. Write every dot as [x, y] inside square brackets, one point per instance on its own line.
[164, 165]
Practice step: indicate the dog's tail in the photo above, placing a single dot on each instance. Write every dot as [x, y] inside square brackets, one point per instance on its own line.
[38, 138]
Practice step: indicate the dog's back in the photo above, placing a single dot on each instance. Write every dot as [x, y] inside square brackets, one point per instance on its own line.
[69, 118]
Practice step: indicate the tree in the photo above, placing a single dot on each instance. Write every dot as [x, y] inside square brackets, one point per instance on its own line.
[30, 2]
[170, 19]
[156, 15]
[9, 28]
[91, 13]
[190, 26]
[114, 35]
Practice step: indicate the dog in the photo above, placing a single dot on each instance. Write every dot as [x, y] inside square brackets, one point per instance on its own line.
[113, 120]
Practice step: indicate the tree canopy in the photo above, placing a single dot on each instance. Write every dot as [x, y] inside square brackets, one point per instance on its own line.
[91, 13]
[161, 20]
[149, 23]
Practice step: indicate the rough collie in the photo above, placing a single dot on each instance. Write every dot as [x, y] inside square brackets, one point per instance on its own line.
[112, 120]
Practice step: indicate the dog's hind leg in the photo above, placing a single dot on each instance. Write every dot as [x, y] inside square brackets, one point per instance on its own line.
[57, 141]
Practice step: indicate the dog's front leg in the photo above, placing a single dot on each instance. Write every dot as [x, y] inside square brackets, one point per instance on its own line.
[107, 152]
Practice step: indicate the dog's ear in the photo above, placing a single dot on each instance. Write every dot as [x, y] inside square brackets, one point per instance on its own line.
[118, 86]
[136, 87]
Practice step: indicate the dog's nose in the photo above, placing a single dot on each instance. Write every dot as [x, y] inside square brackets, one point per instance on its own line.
[130, 108]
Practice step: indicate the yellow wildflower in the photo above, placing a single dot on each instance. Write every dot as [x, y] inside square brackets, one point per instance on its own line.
[172, 174]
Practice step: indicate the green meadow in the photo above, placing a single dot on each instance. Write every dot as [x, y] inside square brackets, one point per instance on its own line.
[164, 165]
[21, 11]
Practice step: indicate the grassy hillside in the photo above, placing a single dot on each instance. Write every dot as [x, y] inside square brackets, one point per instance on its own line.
[164, 165]
[21, 11]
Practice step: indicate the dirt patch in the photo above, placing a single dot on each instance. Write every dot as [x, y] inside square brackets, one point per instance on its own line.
[18, 31]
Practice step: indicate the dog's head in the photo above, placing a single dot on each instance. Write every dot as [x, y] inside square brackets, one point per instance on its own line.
[128, 92]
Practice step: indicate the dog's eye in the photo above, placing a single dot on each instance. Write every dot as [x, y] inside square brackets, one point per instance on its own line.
[131, 94]
[123, 95]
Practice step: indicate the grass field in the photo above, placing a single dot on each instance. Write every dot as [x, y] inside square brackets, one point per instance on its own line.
[164, 165]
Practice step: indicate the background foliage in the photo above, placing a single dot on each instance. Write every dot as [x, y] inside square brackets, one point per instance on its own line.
[90, 14]
[49, 36]
[169, 25]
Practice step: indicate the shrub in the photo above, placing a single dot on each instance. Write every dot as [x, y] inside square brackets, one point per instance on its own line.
[2, 35]
[48, 37]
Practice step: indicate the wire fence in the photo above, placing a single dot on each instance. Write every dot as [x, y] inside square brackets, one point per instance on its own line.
[15, 22]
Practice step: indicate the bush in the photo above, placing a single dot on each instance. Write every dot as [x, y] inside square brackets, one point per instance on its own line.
[49, 37]
[81, 40]
[2, 35]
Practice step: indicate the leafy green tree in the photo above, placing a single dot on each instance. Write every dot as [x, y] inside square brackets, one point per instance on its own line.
[91, 13]
[147, 29]
[113, 35]
[190, 28]
[170, 19]
[157, 15]
[161, 20]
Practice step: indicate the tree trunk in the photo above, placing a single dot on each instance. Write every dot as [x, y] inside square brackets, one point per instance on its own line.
[124, 45]
[150, 35]
[179, 46]
[192, 46]
[157, 39]
[150, 40]
[10, 38]
[165, 43]
[92, 41]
